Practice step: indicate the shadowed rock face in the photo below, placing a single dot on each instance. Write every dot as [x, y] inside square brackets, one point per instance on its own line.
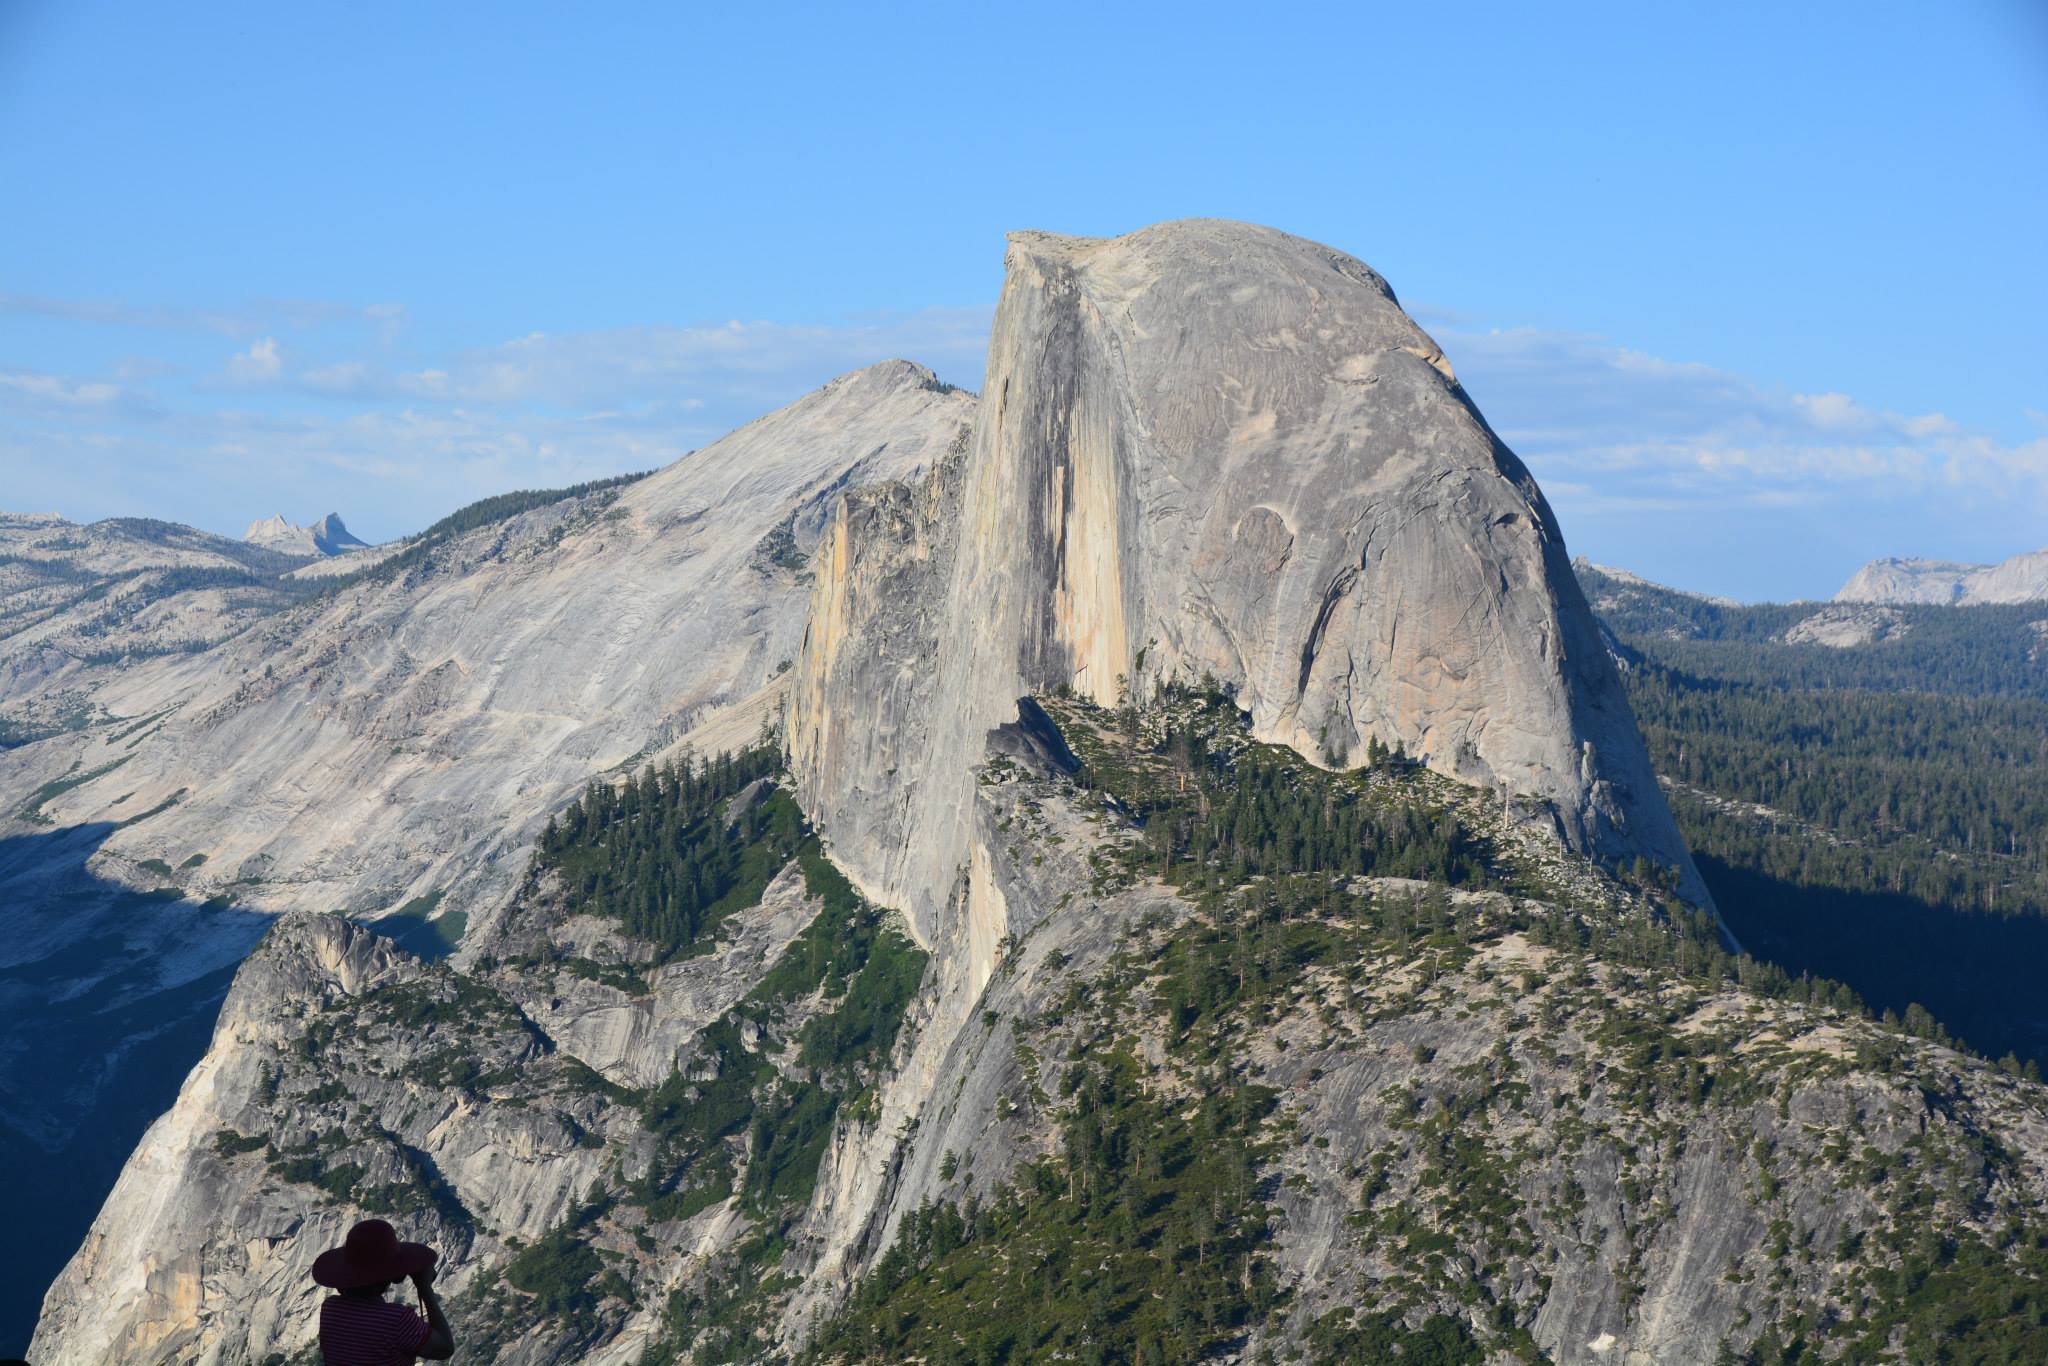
[1212, 448]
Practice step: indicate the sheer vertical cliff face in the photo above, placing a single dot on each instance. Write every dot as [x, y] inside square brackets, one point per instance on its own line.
[1211, 448]
[863, 704]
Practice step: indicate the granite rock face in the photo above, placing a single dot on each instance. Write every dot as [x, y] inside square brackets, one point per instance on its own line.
[1208, 449]
[864, 701]
[1846, 627]
[400, 737]
[478, 1109]
[202, 1252]
[1204, 451]
[2023, 578]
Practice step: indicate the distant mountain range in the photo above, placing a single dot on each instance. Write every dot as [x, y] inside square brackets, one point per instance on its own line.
[2023, 578]
[324, 537]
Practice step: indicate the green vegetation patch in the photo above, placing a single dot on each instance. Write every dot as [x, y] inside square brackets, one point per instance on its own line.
[564, 1276]
[32, 809]
[1215, 809]
[1960, 1299]
[1343, 1337]
[1143, 1241]
[228, 1143]
[666, 856]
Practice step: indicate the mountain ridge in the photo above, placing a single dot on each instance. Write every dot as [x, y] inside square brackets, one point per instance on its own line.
[2022, 578]
[394, 739]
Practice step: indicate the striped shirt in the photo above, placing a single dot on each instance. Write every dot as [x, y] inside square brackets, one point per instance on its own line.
[359, 1332]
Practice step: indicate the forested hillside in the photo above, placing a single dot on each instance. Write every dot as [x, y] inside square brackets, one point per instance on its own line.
[1876, 813]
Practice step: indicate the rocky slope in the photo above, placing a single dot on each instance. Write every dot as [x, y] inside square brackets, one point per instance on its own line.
[2023, 578]
[328, 536]
[1210, 449]
[393, 738]
[79, 604]
[395, 743]
[1218, 1107]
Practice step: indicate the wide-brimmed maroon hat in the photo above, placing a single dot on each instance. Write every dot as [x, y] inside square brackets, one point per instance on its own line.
[370, 1255]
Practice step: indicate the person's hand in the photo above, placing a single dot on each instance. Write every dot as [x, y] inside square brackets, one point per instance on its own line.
[423, 1281]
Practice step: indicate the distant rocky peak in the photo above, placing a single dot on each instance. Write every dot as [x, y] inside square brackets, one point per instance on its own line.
[2023, 578]
[328, 536]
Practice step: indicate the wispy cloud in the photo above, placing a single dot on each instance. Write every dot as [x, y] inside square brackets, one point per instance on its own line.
[260, 364]
[1652, 461]
[286, 419]
[74, 399]
[55, 389]
[643, 363]
[1579, 406]
[1721, 481]
[257, 316]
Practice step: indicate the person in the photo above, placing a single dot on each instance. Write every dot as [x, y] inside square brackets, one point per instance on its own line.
[358, 1326]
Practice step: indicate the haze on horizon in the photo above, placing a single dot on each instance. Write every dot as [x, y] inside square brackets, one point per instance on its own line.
[1756, 295]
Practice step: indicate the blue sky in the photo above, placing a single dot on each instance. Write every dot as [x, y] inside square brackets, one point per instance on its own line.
[1756, 290]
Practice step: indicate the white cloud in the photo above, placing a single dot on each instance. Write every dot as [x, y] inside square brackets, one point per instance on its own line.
[658, 361]
[344, 378]
[1928, 424]
[740, 368]
[1574, 405]
[1833, 411]
[1719, 482]
[260, 364]
[57, 390]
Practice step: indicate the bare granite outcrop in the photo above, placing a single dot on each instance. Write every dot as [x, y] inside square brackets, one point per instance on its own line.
[1208, 449]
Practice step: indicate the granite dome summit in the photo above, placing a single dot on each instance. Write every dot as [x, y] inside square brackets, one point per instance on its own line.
[1213, 449]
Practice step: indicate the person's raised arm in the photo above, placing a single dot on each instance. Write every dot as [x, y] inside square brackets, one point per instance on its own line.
[440, 1343]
